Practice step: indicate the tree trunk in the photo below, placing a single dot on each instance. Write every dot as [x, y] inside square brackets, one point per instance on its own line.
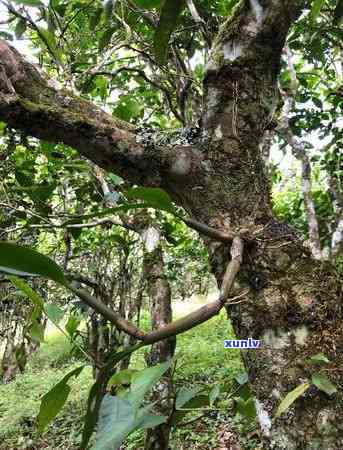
[295, 303]
[161, 314]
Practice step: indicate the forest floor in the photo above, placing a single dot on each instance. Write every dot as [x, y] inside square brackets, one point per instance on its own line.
[201, 361]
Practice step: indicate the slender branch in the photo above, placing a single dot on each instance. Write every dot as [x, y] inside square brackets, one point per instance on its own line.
[34, 27]
[154, 83]
[207, 231]
[107, 312]
[299, 151]
[93, 224]
[191, 320]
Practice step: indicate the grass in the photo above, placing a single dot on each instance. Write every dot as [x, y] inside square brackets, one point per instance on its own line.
[20, 399]
[201, 360]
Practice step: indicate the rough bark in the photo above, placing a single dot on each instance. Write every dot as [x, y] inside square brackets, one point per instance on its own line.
[295, 303]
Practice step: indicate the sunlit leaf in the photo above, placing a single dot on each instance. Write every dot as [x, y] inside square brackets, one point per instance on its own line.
[319, 358]
[29, 2]
[321, 381]
[290, 398]
[155, 197]
[18, 260]
[54, 400]
[54, 313]
[72, 324]
[122, 377]
[143, 381]
[316, 8]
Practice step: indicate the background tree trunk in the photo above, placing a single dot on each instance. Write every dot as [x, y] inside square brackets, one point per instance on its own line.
[161, 314]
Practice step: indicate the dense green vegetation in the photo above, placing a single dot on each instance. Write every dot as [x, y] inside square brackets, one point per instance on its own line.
[200, 352]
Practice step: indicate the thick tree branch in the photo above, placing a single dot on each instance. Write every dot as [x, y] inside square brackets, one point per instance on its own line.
[30, 103]
[247, 49]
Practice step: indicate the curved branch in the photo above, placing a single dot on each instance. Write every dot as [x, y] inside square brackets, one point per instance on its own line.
[193, 319]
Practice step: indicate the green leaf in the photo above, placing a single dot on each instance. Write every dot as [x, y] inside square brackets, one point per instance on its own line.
[170, 13]
[184, 395]
[151, 421]
[96, 394]
[18, 260]
[193, 402]
[120, 378]
[29, 2]
[23, 177]
[40, 193]
[72, 324]
[92, 414]
[54, 400]
[105, 38]
[143, 381]
[242, 378]
[50, 41]
[199, 401]
[319, 358]
[115, 179]
[246, 407]
[95, 19]
[6, 35]
[36, 331]
[290, 398]
[35, 328]
[322, 382]
[116, 421]
[24, 287]
[128, 108]
[148, 4]
[214, 393]
[155, 197]
[315, 11]
[54, 313]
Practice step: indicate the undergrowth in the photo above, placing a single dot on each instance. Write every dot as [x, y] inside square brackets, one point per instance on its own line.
[201, 360]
